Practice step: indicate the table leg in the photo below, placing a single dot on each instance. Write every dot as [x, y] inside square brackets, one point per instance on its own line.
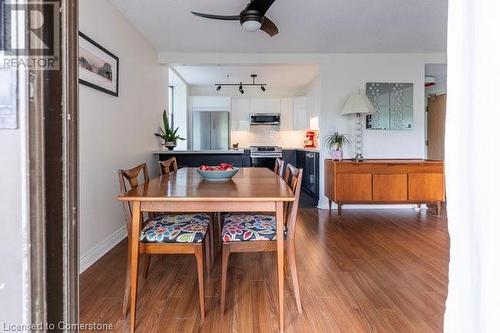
[280, 253]
[134, 260]
[126, 294]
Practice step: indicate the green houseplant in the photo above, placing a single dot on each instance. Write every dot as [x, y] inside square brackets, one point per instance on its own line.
[168, 133]
[334, 142]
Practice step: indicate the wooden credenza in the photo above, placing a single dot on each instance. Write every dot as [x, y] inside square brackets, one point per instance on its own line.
[385, 182]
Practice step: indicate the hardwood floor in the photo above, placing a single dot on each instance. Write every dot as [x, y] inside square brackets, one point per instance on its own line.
[366, 271]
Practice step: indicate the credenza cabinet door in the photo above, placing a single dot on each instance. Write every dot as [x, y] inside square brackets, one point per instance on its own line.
[354, 187]
[390, 187]
[425, 187]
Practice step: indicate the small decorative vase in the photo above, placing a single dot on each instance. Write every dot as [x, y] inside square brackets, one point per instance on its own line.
[170, 145]
[337, 155]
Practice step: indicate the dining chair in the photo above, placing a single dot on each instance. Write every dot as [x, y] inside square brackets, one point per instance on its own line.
[168, 166]
[278, 166]
[251, 232]
[165, 234]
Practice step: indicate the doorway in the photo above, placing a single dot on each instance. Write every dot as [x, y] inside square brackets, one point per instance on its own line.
[436, 117]
[435, 95]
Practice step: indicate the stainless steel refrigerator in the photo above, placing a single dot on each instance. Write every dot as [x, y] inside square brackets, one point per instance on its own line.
[210, 130]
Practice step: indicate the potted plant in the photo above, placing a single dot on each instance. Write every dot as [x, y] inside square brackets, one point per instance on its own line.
[168, 133]
[335, 142]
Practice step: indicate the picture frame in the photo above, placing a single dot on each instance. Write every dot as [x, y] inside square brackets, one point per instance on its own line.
[98, 68]
[393, 104]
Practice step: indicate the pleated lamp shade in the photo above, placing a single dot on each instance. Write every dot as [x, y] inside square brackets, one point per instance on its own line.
[358, 103]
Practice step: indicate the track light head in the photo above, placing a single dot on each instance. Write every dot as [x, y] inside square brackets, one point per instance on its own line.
[218, 88]
[262, 88]
[241, 88]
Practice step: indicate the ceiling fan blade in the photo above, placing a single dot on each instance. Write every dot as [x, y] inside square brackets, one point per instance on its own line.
[261, 5]
[269, 27]
[218, 17]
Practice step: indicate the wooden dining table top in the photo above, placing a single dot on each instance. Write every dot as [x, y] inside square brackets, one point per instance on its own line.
[249, 184]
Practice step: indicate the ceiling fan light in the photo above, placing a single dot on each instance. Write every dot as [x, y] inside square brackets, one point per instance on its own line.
[262, 88]
[241, 89]
[218, 88]
[251, 25]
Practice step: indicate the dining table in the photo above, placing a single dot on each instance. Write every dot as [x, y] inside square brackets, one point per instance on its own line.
[250, 190]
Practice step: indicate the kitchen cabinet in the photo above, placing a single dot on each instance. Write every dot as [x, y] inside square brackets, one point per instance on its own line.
[300, 120]
[385, 182]
[309, 162]
[354, 187]
[240, 114]
[265, 105]
[286, 111]
[210, 103]
[425, 186]
[197, 158]
[290, 156]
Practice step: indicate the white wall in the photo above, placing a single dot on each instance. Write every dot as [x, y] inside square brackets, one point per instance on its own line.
[14, 242]
[344, 73]
[12, 249]
[181, 91]
[115, 132]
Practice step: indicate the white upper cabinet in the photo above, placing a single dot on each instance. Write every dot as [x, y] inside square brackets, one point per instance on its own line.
[240, 114]
[287, 114]
[211, 103]
[300, 120]
[265, 105]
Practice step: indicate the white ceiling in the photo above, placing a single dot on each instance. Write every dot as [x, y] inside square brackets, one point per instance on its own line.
[369, 26]
[274, 75]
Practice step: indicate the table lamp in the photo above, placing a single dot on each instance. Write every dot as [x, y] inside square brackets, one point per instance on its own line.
[358, 104]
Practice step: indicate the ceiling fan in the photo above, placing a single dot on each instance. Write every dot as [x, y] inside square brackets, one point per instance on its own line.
[252, 18]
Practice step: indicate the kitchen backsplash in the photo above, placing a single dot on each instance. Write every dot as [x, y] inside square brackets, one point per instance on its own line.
[268, 136]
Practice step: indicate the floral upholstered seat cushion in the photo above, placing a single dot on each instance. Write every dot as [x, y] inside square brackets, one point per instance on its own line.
[186, 228]
[248, 227]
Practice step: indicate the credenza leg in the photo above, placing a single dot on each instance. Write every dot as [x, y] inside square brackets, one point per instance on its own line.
[329, 204]
[438, 209]
[339, 208]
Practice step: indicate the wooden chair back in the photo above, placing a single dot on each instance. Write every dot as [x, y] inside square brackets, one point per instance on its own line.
[293, 177]
[278, 167]
[168, 166]
[129, 179]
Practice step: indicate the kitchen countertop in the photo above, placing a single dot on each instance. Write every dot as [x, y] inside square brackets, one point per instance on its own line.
[221, 152]
[230, 151]
[314, 150]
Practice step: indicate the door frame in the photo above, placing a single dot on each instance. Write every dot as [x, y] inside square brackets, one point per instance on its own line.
[52, 134]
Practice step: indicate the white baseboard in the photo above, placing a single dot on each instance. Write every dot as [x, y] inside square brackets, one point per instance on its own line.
[87, 259]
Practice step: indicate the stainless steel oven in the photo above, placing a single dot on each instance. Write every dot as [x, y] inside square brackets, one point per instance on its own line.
[265, 156]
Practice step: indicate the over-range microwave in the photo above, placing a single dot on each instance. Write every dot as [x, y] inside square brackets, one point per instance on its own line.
[265, 119]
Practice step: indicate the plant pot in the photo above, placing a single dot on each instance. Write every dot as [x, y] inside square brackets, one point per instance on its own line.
[170, 145]
[337, 155]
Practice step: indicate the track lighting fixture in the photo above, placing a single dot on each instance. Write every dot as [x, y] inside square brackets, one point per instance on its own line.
[240, 85]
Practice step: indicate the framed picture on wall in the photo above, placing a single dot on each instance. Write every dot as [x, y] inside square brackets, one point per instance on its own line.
[393, 103]
[97, 67]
